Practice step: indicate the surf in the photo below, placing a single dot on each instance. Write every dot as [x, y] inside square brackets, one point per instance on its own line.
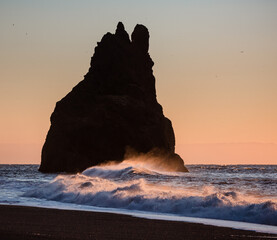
[136, 185]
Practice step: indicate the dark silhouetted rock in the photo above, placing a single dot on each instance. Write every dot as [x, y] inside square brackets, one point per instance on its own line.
[113, 108]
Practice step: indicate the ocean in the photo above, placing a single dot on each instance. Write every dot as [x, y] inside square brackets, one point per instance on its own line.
[240, 194]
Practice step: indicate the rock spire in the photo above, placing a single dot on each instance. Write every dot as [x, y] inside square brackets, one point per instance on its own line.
[114, 108]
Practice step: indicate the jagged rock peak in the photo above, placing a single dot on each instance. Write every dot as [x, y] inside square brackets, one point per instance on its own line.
[140, 38]
[121, 33]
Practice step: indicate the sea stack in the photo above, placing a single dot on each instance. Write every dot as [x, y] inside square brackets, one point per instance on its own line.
[113, 109]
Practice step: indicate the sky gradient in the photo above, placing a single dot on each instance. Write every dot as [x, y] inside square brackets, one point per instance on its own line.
[215, 69]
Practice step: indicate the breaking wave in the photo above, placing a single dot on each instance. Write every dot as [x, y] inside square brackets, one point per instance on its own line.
[136, 186]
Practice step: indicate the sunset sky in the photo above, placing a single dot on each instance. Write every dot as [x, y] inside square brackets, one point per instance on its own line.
[215, 69]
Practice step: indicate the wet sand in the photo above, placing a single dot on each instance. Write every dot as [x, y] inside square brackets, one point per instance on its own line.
[20, 223]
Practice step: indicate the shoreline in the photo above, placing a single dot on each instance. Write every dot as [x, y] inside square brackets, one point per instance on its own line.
[24, 222]
[246, 226]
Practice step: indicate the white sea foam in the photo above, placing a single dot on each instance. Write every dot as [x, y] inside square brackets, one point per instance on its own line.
[136, 186]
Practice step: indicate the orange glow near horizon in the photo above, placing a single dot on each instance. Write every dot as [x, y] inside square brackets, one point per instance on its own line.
[228, 153]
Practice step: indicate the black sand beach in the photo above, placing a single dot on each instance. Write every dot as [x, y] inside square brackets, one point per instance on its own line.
[19, 223]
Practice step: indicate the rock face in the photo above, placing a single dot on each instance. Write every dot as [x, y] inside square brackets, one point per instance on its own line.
[113, 108]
